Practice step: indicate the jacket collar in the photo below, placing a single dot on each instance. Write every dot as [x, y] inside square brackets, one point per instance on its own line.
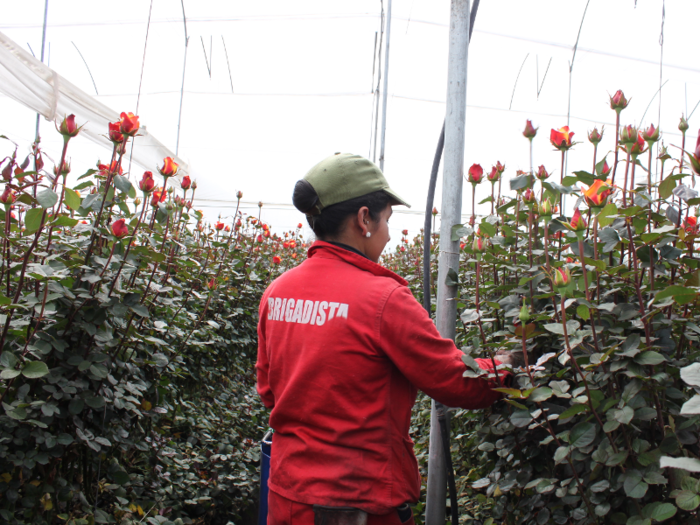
[330, 251]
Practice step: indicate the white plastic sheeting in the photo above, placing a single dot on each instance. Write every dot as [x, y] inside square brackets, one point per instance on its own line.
[272, 87]
[36, 86]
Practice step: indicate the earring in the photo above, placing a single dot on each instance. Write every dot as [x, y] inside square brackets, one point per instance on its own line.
[368, 235]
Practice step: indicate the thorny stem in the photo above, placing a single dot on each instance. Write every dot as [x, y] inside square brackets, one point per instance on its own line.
[561, 181]
[102, 206]
[624, 184]
[128, 248]
[580, 372]
[617, 145]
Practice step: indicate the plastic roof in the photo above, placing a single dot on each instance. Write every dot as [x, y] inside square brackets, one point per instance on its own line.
[273, 87]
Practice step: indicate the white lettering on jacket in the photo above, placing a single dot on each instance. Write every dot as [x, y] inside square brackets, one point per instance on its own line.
[301, 311]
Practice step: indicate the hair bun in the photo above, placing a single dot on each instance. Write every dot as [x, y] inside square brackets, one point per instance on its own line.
[305, 198]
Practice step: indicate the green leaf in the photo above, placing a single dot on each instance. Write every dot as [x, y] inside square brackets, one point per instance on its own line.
[521, 418]
[582, 435]
[680, 294]
[520, 183]
[452, 279]
[687, 500]
[140, 310]
[540, 394]
[120, 477]
[583, 312]
[122, 184]
[487, 228]
[616, 459]
[572, 411]
[459, 231]
[666, 187]
[9, 373]
[65, 221]
[32, 220]
[35, 369]
[558, 328]
[46, 198]
[649, 358]
[72, 199]
[585, 177]
[634, 485]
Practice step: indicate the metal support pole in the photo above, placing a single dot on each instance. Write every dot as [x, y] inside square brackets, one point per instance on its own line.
[386, 84]
[451, 214]
[43, 46]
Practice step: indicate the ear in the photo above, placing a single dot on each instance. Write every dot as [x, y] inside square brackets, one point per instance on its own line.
[363, 220]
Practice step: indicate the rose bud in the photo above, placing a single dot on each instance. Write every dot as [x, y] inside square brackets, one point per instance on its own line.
[276, 259]
[403, 249]
[292, 244]
[119, 228]
[137, 201]
[404, 232]
[695, 157]
[542, 173]
[68, 128]
[545, 208]
[186, 182]
[129, 124]
[578, 223]
[435, 211]
[690, 224]
[500, 167]
[683, 125]
[651, 134]
[606, 168]
[530, 131]
[529, 196]
[259, 238]
[561, 138]
[524, 315]
[158, 196]
[8, 196]
[260, 204]
[597, 195]
[628, 135]
[212, 284]
[114, 134]
[478, 245]
[562, 277]
[476, 173]
[595, 136]
[638, 147]
[494, 175]
[219, 225]
[169, 167]
[194, 185]
[618, 102]
[146, 184]
[239, 195]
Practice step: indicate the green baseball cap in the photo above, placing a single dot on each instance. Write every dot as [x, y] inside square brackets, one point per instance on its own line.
[345, 176]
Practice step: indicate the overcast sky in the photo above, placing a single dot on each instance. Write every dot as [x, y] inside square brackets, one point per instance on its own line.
[273, 87]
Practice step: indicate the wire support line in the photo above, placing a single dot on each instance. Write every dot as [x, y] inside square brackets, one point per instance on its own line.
[228, 63]
[143, 65]
[86, 66]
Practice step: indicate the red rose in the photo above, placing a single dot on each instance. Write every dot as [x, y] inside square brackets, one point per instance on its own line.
[8, 196]
[169, 167]
[219, 226]
[186, 182]
[129, 124]
[68, 128]
[561, 138]
[578, 223]
[114, 133]
[277, 259]
[146, 184]
[530, 131]
[618, 102]
[476, 173]
[119, 228]
[597, 195]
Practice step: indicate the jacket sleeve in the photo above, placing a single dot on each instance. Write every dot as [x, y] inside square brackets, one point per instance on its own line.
[262, 367]
[433, 364]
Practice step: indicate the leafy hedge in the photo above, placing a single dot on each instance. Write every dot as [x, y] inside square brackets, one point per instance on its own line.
[599, 425]
[127, 365]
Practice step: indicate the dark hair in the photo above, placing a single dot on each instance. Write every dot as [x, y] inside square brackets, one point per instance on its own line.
[330, 222]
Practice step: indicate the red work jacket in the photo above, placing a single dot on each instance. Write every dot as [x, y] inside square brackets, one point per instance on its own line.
[343, 347]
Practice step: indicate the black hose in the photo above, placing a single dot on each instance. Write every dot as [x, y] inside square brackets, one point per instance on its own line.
[440, 409]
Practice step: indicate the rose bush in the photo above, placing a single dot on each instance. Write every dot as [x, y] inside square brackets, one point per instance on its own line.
[128, 343]
[600, 425]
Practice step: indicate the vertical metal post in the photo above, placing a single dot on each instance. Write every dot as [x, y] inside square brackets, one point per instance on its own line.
[386, 84]
[451, 214]
[43, 46]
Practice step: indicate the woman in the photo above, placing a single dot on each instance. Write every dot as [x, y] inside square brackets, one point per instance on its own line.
[343, 348]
